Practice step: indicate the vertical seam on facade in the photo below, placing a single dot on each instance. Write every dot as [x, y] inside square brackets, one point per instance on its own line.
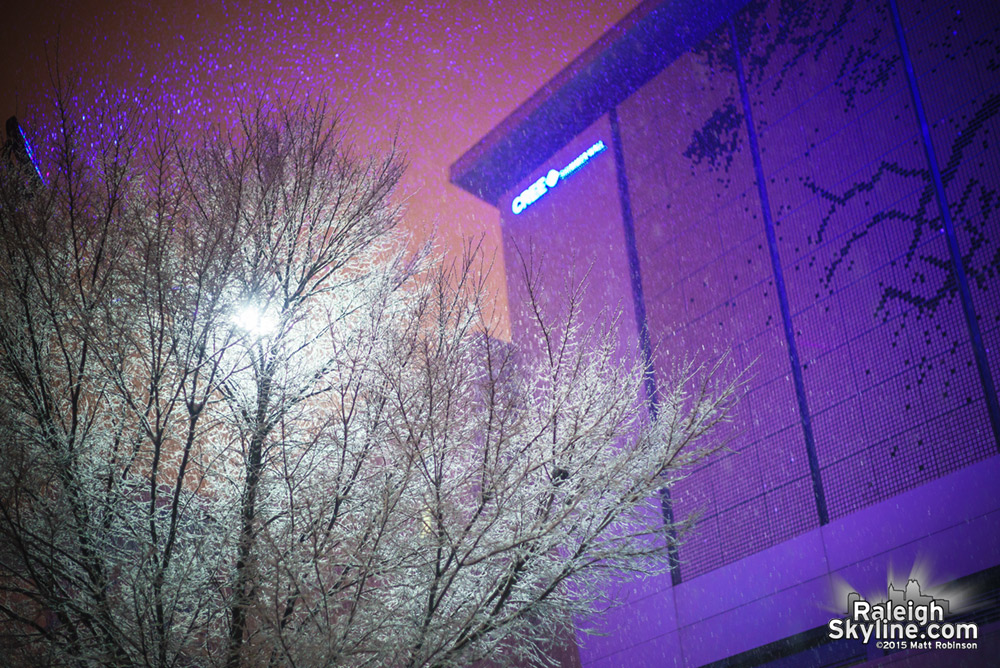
[779, 280]
[964, 294]
[642, 325]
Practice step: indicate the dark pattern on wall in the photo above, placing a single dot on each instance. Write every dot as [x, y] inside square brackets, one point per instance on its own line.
[956, 64]
[874, 286]
[979, 267]
[721, 134]
[718, 139]
[888, 372]
[804, 32]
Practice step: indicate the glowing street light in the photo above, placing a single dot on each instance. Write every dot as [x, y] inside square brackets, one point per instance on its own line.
[256, 321]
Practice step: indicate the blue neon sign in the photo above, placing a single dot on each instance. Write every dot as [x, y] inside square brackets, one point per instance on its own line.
[532, 193]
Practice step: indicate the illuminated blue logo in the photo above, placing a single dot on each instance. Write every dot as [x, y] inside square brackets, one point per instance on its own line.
[532, 193]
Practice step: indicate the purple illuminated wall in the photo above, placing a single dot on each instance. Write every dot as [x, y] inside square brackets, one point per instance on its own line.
[709, 288]
[888, 379]
[785, 210]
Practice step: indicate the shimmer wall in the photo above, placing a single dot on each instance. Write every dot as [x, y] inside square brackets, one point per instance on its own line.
[864, 378]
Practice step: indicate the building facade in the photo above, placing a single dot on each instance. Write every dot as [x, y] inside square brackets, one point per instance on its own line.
[813, 188]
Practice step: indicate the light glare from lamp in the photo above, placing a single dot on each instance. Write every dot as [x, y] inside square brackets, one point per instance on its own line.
[255, 321]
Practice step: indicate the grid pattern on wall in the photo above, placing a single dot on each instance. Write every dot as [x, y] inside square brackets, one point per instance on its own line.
[964, 115]
[709, 288]
[887, 365]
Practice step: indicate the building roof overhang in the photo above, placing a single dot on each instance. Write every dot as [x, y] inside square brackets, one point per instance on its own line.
[628, 55]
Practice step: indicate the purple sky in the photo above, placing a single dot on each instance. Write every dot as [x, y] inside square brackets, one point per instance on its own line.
[442, 73]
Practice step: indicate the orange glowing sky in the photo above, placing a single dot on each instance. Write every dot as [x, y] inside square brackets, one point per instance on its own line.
[442, 74]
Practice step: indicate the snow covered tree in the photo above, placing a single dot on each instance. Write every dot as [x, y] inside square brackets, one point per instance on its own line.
[242, 424]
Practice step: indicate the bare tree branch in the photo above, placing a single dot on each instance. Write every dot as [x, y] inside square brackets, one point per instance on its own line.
[240, 424]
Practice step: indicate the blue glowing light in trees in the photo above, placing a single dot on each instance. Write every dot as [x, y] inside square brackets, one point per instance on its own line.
[532, 193]
[31, 154]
